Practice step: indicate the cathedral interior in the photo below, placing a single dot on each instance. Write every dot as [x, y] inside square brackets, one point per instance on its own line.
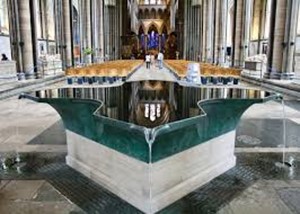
[73, 75]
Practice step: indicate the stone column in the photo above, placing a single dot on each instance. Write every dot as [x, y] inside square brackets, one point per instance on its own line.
[223, 32]
[238, 31]
[297, 71]
[209, 32]
[198, 25]
[259, 9]
[88, 37]
[101, 31]
[97, 30]
[81, 29]
[107, 30]
[85, 25]
[26, 39]
[248, 5]
[192, 33]
[185, 36]
[67, 32]
[217, 21]
[203, 33]
[276, 39]
[290, 39]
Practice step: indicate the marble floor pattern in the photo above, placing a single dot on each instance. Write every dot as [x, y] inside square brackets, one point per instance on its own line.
[41, 182]
[33, 196]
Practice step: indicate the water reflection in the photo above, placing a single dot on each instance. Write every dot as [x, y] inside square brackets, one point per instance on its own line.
[151, 103]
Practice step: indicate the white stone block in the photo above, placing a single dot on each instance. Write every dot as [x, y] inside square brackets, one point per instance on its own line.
[151, 187]
[8, 71]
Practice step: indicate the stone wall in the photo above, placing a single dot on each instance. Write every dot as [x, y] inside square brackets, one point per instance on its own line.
[8, 71]
[5, 46]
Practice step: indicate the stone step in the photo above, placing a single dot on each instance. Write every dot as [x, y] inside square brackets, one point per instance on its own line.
[15, 88]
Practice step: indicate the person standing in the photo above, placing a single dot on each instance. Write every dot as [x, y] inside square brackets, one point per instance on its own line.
[160, 59]
[4, 57]
[148, 60]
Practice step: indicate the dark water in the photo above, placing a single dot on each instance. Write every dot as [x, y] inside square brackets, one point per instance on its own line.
[151, 103]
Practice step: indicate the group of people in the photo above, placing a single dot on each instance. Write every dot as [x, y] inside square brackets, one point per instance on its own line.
[150, 59]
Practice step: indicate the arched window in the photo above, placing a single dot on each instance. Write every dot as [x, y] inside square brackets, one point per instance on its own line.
[4, 23]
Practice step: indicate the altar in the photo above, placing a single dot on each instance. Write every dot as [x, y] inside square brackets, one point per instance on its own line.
[50, 64]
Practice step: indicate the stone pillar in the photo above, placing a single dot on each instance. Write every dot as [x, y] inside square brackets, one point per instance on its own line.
[223, 32]
[97, 30]
[290, 39]
[81, 30]
[101, 31]
[26, 39]
[209, 31]
[296, 69]
[277, 45]
[204, 24]
[14, 34]
[257, 26]
[85, 20]
[238, 31]
[88, 37]
[67, 33]
[185, 48]
[217, 21]
[248, 5]
[198, 25]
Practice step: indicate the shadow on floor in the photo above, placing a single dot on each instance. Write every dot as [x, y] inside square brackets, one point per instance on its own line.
[54, 135]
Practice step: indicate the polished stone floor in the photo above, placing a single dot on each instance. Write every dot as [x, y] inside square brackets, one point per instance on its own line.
[255, 185]
[37, 180]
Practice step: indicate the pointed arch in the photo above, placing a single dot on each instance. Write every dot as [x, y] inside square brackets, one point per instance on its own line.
[153, 26]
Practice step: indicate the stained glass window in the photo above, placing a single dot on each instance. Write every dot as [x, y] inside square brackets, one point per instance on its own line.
[153, 40]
